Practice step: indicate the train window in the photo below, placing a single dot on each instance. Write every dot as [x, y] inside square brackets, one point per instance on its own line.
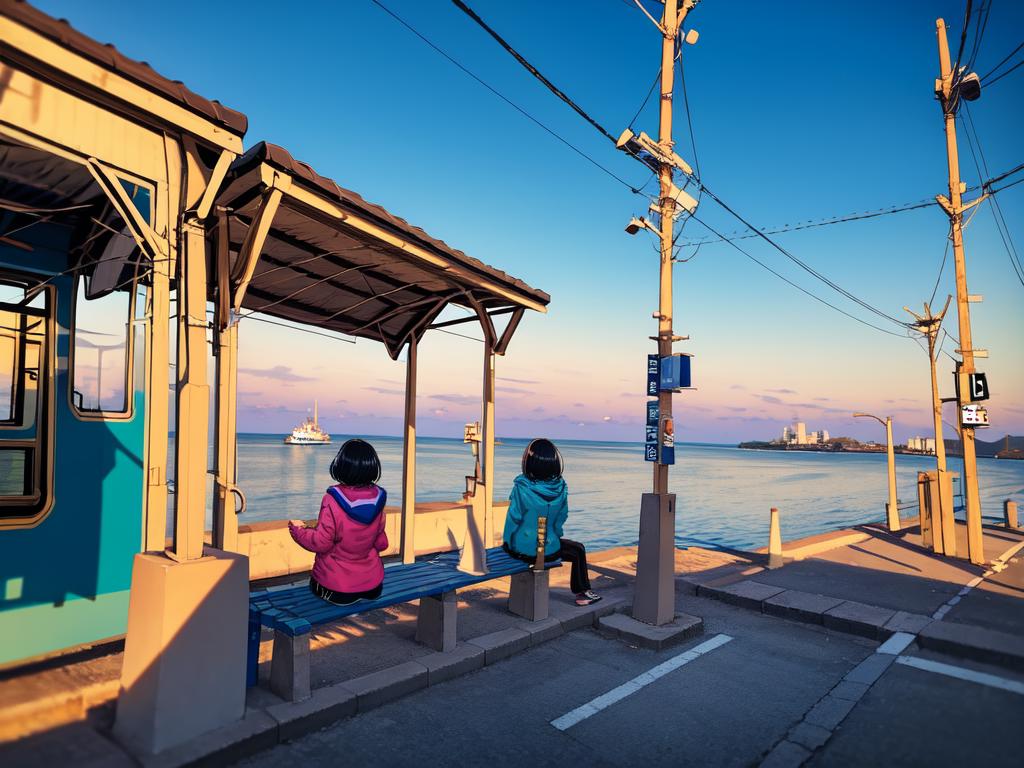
[102, 352]
[26, 382]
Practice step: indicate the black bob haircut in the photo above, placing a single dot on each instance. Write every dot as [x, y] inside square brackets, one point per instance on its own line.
[541, 460]
[357, 463]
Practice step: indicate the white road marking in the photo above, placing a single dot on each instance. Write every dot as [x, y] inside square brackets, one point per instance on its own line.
[896, 644]
[996, 566]
[605, 700]
[962, 673]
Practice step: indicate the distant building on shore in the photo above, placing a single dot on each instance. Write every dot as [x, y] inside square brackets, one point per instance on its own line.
[796, 434]
[921, 444]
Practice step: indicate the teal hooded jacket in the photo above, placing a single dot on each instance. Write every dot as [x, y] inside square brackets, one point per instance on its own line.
[529, 500]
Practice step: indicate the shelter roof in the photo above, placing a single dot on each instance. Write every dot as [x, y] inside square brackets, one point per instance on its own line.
[332, 259]
[108, 56]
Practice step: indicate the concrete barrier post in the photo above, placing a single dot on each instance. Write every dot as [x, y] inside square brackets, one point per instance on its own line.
[1010, 514]
[774, 539]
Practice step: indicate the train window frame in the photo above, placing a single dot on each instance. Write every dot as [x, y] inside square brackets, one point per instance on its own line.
[27, 510]
[127, 412]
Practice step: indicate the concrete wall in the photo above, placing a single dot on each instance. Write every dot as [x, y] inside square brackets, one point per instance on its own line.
[440, 527]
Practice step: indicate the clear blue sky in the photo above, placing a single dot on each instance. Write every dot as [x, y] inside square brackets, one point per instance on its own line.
[801, 110]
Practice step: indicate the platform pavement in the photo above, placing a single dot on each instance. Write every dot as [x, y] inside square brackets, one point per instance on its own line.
[776, 693]
[377, 651]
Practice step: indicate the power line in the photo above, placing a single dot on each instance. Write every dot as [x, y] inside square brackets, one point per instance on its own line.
[504, 98]
[790, 282]
[942, 267]
[1006, 59]
[529, 67]
[807, 268]
[579, 110]
[647, 98]
[997, 213]
[996, 79]
[745, 234]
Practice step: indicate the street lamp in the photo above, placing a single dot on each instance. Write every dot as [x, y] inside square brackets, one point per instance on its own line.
[892, 509]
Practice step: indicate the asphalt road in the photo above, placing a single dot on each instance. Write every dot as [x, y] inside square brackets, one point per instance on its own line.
[728, 707]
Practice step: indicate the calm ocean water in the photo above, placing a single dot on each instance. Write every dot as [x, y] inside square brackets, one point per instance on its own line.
[723, 493]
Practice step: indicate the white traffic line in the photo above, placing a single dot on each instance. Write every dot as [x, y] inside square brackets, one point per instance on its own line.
[896, 644]
[997, 565]
[962, 673]
[592, 707]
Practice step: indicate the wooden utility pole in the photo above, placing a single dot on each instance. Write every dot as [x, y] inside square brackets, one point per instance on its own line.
[945, 89]
[671, 23]
[929, 326]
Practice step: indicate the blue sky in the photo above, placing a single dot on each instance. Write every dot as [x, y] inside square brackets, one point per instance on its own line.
[800, 111]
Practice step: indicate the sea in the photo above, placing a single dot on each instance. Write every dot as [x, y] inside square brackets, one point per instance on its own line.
[723, 493]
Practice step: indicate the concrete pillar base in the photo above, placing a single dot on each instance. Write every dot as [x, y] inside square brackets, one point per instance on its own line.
[183, 672]
[655, 591]
[289, 666]
[528, 595]
[436, 623]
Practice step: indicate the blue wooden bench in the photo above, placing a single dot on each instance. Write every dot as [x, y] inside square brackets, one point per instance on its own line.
[292, 613]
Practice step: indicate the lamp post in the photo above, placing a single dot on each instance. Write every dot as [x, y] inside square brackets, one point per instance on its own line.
[892, 510]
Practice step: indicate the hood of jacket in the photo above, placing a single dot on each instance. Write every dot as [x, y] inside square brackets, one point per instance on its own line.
[363, 511]
[543, 492]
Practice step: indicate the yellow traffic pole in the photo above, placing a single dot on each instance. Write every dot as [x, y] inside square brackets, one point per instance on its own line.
[893, 508]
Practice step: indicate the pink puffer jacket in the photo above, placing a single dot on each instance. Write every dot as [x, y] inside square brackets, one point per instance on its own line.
[348, 538]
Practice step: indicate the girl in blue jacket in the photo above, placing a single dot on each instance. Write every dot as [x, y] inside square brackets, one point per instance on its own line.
[541, 492]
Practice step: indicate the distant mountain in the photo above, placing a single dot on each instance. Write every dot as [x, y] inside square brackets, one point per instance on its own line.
[1008, 446]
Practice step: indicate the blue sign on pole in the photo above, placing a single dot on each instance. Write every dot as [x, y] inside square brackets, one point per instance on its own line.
[652, 413]
[651, 452]
[653, 369]
[674, 372]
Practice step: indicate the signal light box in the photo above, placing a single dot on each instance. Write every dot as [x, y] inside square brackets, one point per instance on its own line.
[675, 372]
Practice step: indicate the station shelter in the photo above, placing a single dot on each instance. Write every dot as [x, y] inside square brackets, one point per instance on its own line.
[133, 223]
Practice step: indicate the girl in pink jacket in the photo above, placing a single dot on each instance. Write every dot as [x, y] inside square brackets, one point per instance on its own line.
[349, 534]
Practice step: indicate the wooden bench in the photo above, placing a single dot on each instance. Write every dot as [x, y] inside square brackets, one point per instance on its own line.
[433, 580]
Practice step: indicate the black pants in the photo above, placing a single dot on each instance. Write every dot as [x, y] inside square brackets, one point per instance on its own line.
[574, 553]
[343, 598]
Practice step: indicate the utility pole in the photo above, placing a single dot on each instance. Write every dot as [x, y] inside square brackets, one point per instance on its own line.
[671, 23]
[943, 527]
[948, 90]
[654, 601]
[929, 326]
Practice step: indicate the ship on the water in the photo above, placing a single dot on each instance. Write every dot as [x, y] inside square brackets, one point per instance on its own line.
[308, 432]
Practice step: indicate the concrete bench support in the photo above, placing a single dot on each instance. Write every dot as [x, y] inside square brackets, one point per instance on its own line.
[436, 624]
[528, 595]
[289, 667]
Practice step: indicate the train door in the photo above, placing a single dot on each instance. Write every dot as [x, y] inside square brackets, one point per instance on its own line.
[72, 439]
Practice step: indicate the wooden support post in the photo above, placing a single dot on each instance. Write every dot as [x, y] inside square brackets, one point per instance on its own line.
[225, 517]
[1010, 519]
[191, 438]
[774, 539]
[158, 312]
[408, 543]
[487, 448]
[924, 517]
[944, 499]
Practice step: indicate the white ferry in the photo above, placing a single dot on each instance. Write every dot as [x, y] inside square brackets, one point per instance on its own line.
[308, 432]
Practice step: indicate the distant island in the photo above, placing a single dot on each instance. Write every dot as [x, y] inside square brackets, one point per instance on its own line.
[796, 438]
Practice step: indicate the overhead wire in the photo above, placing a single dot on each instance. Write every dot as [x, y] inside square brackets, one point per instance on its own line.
[795, 285]
[507, 100]
[993, 81]
[1008, 56]
[561, 95]
[997, 213]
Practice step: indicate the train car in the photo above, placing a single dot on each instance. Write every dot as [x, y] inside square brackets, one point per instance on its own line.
[102, 164]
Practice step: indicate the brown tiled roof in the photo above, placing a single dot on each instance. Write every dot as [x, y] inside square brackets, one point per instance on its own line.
[280, 158]
[108, 56]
